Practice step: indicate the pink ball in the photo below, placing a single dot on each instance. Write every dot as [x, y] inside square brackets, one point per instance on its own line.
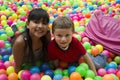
[82, 34]
[111, 71]
[3, 77]
[35, 76]
[25, 75]
[2, 66]
[7, 64]
[2, 44]
[9, 22]
[85, 39]
[106, 52]
[23, 18]
[101, 72]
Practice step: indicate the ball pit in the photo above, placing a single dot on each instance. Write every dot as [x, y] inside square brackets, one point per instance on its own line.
[80, 11]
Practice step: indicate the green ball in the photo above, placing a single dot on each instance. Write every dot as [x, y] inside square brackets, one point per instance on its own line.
[87, 45]
[0, 57]
[58, 71]
[98, 78]
[10, 33]
[117, 59]
[90, 74]
[7, 45]
[81, 70]
[3, 37]
[65, 72]
[84, 65]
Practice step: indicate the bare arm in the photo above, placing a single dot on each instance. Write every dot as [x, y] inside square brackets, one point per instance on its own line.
[89, 61]
[18, 51]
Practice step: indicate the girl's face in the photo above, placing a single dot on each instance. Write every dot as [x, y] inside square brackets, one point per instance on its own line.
[63, 37]
[37, 29]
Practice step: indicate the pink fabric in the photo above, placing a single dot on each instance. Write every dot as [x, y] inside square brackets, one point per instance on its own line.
[106, 31]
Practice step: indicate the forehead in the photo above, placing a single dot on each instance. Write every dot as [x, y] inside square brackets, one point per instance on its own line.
[63, 31]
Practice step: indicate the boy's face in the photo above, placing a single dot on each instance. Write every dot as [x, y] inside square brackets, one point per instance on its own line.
[63, 37]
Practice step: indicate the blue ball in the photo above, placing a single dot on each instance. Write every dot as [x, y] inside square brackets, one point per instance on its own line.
[34, 69]
[45, 66]
[71, 69]
[57, 77]
[5, 58]
[49, 72]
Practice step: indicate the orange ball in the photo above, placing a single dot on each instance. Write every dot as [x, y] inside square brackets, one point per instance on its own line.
[94, 51]
[75, 76]
[108, 77]
[2, 71]
[88, 15]
[65, 78]
[13, 76]
[118, 74]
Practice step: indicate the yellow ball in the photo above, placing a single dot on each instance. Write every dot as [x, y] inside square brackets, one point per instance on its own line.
[3, 22]
[100, 47]
[88, 79]
[3, 17]
[10, 70]
[46, 77]
[11, 58]
[19, 74]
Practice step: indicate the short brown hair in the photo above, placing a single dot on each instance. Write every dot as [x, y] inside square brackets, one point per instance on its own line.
[62, 22]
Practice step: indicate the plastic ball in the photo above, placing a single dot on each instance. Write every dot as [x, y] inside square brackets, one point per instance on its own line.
[81, 70]
[111, 71]
[84, 65]
[108, 77]
[118, 74]
[13, 76]
[57, 77]
[49, 72]
[10, 33]
[19, 74]
[2, 71]
[87, 45]
[3, 22]
[88, 79]
[34, 69]
[35, 76]
[75, 76]
[2, 43]
[106, 52]
[111, 65]
[25, 75]
[5, 58]
[3, 17]
[2, 66]
[94, 51]
[65, 78]
[85, 39]
[117, 59]
[90, 74]
[7, 64]
[100, 47]
[3, 37]
[10, 70]
[3, 77]
[58, 71]
[71, 69]
[45, 66]
[46, 77]
[65, 72]
[101, 72]
[98, 78]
